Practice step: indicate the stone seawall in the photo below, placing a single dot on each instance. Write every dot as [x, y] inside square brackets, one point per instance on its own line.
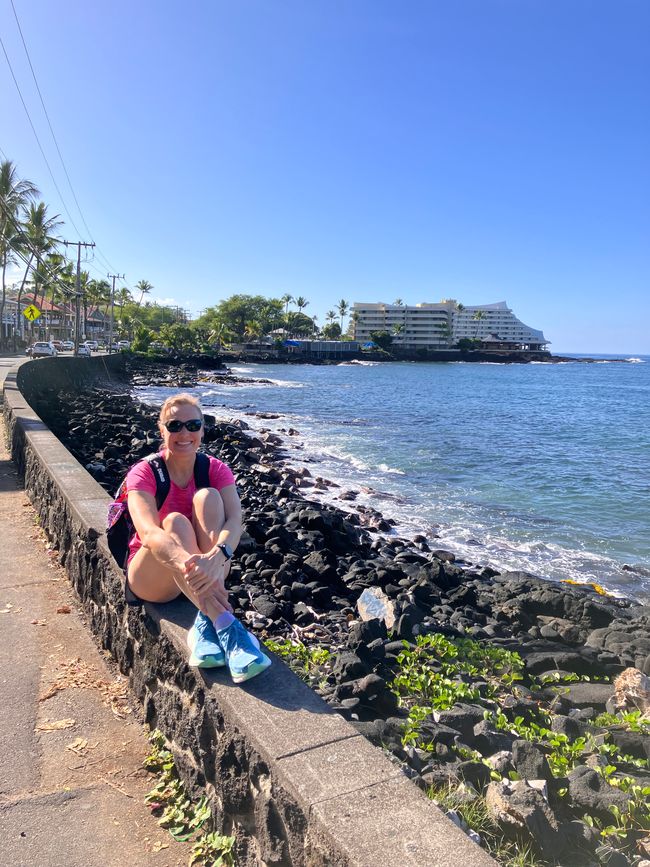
[292, 780]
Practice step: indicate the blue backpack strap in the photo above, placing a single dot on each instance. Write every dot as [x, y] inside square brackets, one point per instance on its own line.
[161, 475]
[201, 471]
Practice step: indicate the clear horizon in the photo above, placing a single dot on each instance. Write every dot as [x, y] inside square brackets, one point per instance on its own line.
[488, 151]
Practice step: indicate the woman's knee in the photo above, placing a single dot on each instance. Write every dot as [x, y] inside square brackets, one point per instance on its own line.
[207, 497]
[208, 508]
[175, 522]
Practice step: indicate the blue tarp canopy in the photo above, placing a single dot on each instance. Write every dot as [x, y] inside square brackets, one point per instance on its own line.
[292, 343]
[369, 345]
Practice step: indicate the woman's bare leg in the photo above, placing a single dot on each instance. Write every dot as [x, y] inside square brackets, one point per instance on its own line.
[153, 582]
[208, 518]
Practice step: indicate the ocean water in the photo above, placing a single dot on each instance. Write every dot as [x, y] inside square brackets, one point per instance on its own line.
[541, 467]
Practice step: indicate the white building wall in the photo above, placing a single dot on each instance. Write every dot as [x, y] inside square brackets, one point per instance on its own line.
[497, 319]
[438, 326]
[424, 326]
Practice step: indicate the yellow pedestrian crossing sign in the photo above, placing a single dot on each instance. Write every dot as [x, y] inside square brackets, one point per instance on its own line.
[31, 312]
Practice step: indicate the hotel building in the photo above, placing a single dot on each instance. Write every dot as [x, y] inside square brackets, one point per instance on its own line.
[442, 325]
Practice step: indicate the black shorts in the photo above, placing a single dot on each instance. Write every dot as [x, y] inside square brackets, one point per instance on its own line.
[130, 597]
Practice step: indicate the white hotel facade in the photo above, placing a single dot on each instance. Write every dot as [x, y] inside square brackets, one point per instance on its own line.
[442, 325]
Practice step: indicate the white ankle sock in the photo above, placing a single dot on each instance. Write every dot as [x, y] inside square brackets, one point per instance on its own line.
[223, 620]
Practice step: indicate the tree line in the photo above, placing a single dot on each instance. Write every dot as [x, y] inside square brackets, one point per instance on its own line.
[30, 240]
[248, 318]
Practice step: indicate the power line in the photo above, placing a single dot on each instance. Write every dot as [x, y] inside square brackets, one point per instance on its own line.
[33, 250]
[38, 141]
[49, 123]
[56, 144]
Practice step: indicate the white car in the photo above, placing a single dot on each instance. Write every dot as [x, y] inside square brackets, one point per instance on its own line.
[43, 350]
[92, 345]
[67, 345]
[84, 350]
[124, 344]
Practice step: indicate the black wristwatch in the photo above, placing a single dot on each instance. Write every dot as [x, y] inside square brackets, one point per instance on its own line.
[226, 550]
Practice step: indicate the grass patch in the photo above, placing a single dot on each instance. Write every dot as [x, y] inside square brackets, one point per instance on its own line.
[311, 664]
[475, 816]
[185, 820]
[439, 672]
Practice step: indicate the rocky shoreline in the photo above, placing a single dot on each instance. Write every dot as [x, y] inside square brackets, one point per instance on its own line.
[491, 689]
[440, 356]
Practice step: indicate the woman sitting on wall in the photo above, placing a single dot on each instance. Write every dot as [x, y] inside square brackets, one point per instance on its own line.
[186, 545]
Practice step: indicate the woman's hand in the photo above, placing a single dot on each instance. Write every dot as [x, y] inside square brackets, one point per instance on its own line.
[206, 575]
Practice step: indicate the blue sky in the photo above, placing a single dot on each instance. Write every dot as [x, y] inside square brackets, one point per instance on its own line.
[485, 150]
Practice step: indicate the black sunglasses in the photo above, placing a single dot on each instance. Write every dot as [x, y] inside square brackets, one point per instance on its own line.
[175, 425]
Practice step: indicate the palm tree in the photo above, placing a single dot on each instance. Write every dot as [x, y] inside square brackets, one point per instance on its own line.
[477, 317]
[301, 303]
[123, 296]
[446, 330]
[330, 316]
[354, 318]
[220, 334]
[253, 330]
[15, 195]
[125, 326]
[453, 316]
[38, 239]
[398, 302]
[343, 308]
[47, 271]
[144, 287]
[99, 292]
[286, 300]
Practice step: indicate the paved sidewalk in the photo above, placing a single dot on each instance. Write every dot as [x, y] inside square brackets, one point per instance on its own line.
[69, 796]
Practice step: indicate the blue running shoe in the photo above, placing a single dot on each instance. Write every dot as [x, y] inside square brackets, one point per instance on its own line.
[242, 650]
[203, 642]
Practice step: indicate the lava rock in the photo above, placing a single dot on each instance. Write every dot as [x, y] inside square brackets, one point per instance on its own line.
[590, 792]
[530, 762]
[348, 666]
[520, 808]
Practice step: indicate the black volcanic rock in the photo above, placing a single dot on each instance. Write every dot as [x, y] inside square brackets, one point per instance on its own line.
[301, 566]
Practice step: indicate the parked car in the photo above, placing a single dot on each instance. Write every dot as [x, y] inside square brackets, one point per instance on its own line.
[67, 345]
[123, 344]
[58, 345]
[41, 349]
[92, 345]
[84, 351]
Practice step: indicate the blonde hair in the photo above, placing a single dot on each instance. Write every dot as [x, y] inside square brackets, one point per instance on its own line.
[179, 400]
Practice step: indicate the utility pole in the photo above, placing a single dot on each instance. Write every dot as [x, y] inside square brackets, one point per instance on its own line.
[77, 302]
[110, 332]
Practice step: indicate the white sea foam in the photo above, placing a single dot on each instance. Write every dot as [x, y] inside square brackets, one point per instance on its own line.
[635, 360]
[477, 527]
[386, 469]
[268, 383]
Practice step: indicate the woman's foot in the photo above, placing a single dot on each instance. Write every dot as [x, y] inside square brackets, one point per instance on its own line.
[242, 651]
[203, 642]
